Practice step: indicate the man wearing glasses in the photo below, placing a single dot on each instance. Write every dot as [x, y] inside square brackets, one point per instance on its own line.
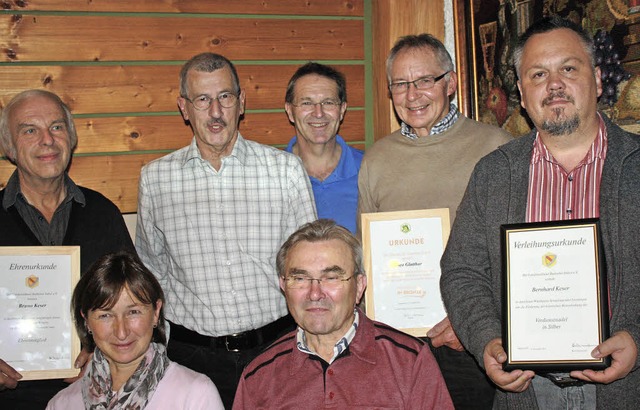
[211, 217]
[316, 101]
[337, 357]
[426, 164]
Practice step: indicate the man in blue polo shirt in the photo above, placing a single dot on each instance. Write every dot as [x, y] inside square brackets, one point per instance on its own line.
[316, 102]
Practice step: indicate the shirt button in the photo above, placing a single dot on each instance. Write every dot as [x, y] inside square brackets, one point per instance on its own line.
[52, 243]
[570, 178]
[40, 218]
[330, 371]
[569, 211]
[228, 263]
[332, 395]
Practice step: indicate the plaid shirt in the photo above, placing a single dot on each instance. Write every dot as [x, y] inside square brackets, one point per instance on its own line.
[442, 125]
[211, 237]
[340, 346]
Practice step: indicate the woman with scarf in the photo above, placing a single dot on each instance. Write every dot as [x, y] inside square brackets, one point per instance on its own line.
[117, 308]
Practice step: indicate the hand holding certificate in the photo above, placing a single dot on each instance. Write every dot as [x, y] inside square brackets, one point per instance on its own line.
[37, 335]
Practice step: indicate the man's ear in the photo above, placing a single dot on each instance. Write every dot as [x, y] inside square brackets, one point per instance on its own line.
[452, 84]
[361, 285]
[182, 104]
[519, 84]
[288, 108]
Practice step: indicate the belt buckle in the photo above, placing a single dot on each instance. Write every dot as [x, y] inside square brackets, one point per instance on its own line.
[226, 343]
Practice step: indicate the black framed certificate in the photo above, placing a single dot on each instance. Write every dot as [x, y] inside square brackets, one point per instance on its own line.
[555, 295]
[37, 334]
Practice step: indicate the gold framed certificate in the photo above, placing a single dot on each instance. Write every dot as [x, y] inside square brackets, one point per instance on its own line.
[37, 333]
[555, 295]
[402, 252]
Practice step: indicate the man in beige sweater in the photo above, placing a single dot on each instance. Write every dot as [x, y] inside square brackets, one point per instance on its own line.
[426, 164]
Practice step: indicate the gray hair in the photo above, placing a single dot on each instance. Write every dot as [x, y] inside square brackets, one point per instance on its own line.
[546, 25]
[208, 63]
[420, 41]
[7, 147]
[320, 231]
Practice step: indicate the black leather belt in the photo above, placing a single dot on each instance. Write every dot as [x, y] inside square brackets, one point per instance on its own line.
[237, 341]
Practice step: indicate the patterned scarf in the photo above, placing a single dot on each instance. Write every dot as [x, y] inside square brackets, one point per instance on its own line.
[135, 393]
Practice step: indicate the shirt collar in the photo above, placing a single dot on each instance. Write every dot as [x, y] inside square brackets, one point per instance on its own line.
[12, 190]
[339, 347]
[597, 150]
[442, 125]
[193, 152]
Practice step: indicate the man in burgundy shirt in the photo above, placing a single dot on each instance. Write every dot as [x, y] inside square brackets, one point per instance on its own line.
[337, 357]
[575, 164]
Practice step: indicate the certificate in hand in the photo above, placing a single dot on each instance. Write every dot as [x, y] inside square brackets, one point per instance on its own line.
[37, 335]
[402, 252]
[555, 296]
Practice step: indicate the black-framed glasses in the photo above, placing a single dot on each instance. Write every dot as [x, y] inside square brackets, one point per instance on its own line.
[422, 83]
[329, 282]
[326, 105]
[203, 102]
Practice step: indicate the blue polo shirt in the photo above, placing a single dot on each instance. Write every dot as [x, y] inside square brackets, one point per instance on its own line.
[337, 196]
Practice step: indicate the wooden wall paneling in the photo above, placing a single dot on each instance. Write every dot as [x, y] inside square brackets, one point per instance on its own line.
[116, 176]
[152, 88]
[116, 64]
[105, 38]
[266, 7]
[169, 132]
[393, 19]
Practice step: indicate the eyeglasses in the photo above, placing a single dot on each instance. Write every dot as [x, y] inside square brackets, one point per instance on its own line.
[203, 102]
[326, 105]
[423, 83]
[304, 282]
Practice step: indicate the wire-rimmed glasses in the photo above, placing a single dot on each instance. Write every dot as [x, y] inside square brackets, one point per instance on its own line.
[203, 102]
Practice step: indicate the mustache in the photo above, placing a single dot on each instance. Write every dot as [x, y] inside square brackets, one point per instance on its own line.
[555, 95]
[217, 121]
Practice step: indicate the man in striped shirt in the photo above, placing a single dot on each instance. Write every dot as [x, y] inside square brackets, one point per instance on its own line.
[575, 164]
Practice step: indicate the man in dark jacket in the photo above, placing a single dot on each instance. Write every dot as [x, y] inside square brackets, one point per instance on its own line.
[576, 164]
[41, 205]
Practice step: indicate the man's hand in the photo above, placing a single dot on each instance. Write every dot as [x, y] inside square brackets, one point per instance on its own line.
[81, 363]
[442, 334]
[515, 381]
[8, 376]
[623, 351]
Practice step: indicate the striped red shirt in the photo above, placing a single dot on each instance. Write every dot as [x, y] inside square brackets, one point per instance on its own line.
[555, 194]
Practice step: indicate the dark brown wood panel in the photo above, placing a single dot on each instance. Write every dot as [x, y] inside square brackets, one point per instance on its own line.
[127, 134]
[290, 7]
[115, 89]
[105, 38]
[116, 177]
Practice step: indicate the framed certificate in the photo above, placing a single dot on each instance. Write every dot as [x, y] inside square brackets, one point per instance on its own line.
[555, 295]
[402, 253]
[37, 334]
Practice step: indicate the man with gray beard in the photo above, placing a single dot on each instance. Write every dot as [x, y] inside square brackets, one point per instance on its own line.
[575, 164]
